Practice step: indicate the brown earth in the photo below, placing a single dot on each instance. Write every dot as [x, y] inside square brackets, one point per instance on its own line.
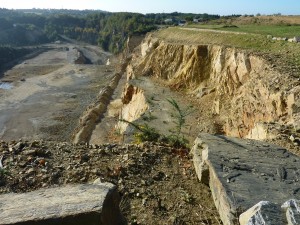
[157, 183]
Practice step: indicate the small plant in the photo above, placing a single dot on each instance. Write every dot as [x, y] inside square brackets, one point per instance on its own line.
[145, 132]
[3, 174]
[180, 115]
[149, 117]
[187, 197]
[150, 101]
[177, 139]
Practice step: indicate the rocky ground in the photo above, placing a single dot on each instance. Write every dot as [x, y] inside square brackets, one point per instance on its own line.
[157, 183]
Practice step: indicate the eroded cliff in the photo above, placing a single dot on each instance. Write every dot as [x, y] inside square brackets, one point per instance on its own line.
[246, 90]
[134, 105]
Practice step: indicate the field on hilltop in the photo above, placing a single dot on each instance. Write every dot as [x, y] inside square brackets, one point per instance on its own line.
[267, 20]
[245, 34]
[279, 26]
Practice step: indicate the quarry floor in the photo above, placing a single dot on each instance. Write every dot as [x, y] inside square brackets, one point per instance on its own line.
[49, 93]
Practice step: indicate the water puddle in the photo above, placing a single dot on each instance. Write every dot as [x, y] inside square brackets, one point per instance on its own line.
[5, 85]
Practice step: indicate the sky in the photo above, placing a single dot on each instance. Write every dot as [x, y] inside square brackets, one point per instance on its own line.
[220, 7]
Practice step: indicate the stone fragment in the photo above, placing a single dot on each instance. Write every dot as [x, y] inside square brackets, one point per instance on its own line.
[97, 181]
[19, 146]
[69, 205]
[292, 210]
[296, 39]
[29, 152]
[263, 212]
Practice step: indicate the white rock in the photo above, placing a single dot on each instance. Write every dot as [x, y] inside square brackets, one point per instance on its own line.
[263, 212]
[292, 138]
[97, 181]
[296, 39]
[292, 208]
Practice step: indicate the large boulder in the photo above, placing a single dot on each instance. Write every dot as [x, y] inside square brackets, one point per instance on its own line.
[70, 205]
[242, 173]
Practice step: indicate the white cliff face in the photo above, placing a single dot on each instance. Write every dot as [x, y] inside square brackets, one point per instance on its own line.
[246, 89]
[134, 105]
[147, 45]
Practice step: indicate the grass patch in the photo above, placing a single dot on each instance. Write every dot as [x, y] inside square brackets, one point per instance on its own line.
[247, 41]
[176, 139]
[149, 117]
[288, 31]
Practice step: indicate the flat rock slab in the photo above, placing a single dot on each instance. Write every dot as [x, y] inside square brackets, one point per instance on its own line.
[242, 173]
[78, 204]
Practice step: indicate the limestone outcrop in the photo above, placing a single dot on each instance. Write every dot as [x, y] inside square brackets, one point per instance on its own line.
[134, 105]
[242, 173]
[245, 88]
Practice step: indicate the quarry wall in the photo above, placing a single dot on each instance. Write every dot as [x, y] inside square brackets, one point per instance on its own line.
[246, 89]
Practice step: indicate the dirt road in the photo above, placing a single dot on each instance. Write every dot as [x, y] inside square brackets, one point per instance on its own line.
[49, 92]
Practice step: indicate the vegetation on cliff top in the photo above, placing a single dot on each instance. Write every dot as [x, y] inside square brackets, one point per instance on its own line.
[287, 52]
[108, 30]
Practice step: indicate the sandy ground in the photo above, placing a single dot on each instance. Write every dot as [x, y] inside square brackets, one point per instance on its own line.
[50, 92]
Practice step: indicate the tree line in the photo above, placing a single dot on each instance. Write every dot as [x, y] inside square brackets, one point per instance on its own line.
[108, 30]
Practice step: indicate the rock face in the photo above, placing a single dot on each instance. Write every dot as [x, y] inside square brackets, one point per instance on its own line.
[246, 89]
[80, 204]
[242, 173]
[134, 105]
